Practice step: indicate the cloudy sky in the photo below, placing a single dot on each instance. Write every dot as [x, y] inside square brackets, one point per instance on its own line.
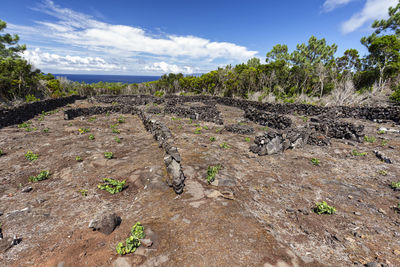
[153, 37]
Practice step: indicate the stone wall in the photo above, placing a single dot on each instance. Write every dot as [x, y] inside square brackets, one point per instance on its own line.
[78, 112]
[272, 120]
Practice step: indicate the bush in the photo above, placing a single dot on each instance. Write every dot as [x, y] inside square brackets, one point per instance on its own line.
[324, 208]
[112, 186]
[211, 172]
[43, 175]
[396, 95]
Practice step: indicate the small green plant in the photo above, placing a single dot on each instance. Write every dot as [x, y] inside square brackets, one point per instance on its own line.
[304, 118]
[224, 145]
[384, 142]
[43, 175]
[25, 124]
[107, 114]
[29, 129]
[265, 128]
[180, 126]
[212, 139]
[114, 128]
[83, 130]
[357, 154]
[190, 121]
[83, 192]
[396, 185]
[198, 130]
[41, 117]
[369, 139]
[133, 241]
[31, 156]
[46, 130]
[382, 172]
[211, 172]
[121, 119]
[247, 139]
[78, 158]
[92, 119]
[176, 119]
[158, 93]
[1, 152]
[381, 132]
[205, 127]
[112, 186]
[91, 137]
[31, 98]
[114, 103]
[117, 140]
[108, 155]
[218, 130]
[315, 161]
[324, 208]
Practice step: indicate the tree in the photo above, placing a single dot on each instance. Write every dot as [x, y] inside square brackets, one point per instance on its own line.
[392, 23]
[279, 52]
[9, 46]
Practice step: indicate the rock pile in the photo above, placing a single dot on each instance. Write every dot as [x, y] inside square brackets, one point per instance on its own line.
[338, 129]
[77, 112]
[239, 129]
[272, 120]
[203, 113]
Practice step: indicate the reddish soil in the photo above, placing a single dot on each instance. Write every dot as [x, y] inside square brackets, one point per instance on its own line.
[269, 221]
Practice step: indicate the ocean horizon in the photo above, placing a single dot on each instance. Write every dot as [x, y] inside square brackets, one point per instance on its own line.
[95, 78]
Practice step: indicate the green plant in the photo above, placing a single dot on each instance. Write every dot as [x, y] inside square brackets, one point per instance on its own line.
[46, 130]
[31, 156]
[158, 93]
[356, 153]
[112, 186]
[370, 139]
[247, 139]
[108, 155]
[121, 119]
[41, 117]
[212, 139]
[31, 98]
[218, 130]
[133, 241]
[224, 145]
[190, 121]
[384, 142]
[304, 118]
[382, 172]
[381, 132]
[114, 103]
[1, 152]
[24, 124]
[176, 119]
[78, 158]
[198, 130]
[43, 175]
[83, 130]
[92, 119]
[117, 140]
[114, 128]
[83, 192]
[91, 137]
[211, 172]
[205, 127]
[315, 161]
[395, 185]
[107, 114]
[324, 208]
[265, 128]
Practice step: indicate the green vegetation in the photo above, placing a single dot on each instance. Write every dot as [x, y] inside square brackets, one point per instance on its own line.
[381, 132]
[25, 124]
[31, 156]
[384, 142]
[46, 130]
[324, 208]
[218, 130]
[78, 158]
[114, 128]
[133, 241]
[382, 172]
[315, 161]
[31, 98]
[91, 137]
[211, 172]
[370, 139]
[247, 139]
[1, 152]
[212, 139]
[198, 130]
[159, 93]
[117, 140]
[112, 186]
[92, 119]
[83, 192]
[83, 130]
[224, 145]
[357, 154]
[190, 121]
[108, 155]
[121, 119]
[396, 185]
[43, 175]
[304, 118]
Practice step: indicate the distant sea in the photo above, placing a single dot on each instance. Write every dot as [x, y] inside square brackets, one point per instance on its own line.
[91, 78]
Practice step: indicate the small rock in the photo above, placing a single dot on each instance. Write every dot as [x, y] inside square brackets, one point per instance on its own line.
[105, 223]
[1, 213]
[351, 240]
[372, 264]
[382, 211]
[396, 252]
[350, 197]
[357, 213]
[146, 242]
[26, 189]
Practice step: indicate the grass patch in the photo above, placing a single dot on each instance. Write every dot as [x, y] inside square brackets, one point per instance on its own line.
[324, 208]
[43, 175]
[31, 156]
[112, 186]
[133, 241]
[211, 172]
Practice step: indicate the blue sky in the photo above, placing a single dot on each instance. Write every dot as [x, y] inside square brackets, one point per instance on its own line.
[154, 37]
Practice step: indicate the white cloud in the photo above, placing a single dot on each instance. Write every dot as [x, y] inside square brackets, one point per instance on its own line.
[373, 9]
[76, 31]
[68, 63]
[169, 68]
[330, 5]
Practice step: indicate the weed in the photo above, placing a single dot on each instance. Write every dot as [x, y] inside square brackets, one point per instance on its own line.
[196, 125]
[114, 128]
[205, 127]
[29, 129]
[117, 140]
[190, 121]
[211, 172]
[324, 208]
[265, 128]
[198, 130]
[356, 153]
[370, 139]
[384, 142]
[114, 103]
[83, 192]
[176, 119]
[159, 93]
[91, 137]
[179, 126]
[315, 161]
[83, 130]
[133, 241]
[212, 139]
[112, 186]
[395, 185]
[381, 132]
[31, 156]
[121, 119]
[43, 175]
[92, 119]
[41, 117]
[107, 114]
[108, 155]
[224, 145]
[25, 124]
[218, 130]
[382, 172]
[304, 118]
[242, 123]
[70, 124]
[46, 130]
[1, 152]
[78, 158]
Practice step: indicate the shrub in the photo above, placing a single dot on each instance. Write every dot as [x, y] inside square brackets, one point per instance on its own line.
[112, 186]
[315, 161]
[43, 175]
[159, 94]
[31, 156]
[108, 155]
[133, 241]
[31, 98]
[324, 208]
[211, 172]
[396, 95]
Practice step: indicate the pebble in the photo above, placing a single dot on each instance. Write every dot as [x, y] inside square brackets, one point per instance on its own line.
[26, 189]
[382, 211]
[357, 213]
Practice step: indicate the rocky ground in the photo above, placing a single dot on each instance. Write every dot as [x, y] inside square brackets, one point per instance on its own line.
[257, 212]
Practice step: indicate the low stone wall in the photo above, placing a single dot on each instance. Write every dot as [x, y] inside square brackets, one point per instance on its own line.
[338, 129]
[30, 110]
[203, 113]
[136, 100]
[239, 129]
[78, 112]
[272, 120]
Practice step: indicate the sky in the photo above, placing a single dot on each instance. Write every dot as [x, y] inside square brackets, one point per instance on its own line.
[153, 37]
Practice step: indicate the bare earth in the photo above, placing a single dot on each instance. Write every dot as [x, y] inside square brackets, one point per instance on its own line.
[258, 212]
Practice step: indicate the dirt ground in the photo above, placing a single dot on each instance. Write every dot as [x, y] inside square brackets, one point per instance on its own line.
[258, 211]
